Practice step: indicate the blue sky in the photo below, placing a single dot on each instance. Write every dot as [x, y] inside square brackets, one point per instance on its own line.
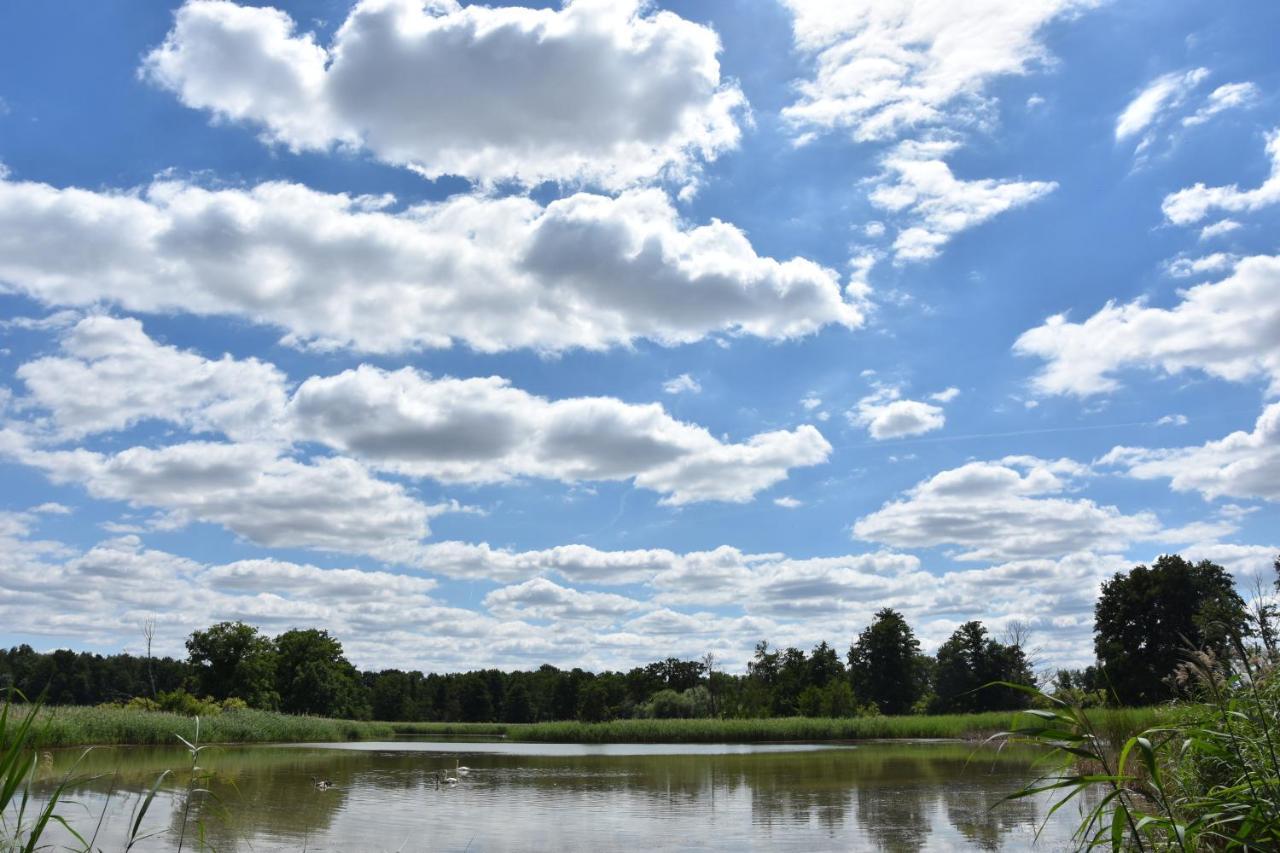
[487, 336]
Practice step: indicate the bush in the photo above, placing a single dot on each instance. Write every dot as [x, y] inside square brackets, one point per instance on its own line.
[1210, 780]
[181, 702]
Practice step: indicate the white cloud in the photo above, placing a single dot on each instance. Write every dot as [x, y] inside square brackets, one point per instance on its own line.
[788, 502]
[605, 91]
[133, 379]
[328, 504]
[1191, 205]
[1187, 267]
[471, 431]
[682, 384]
[333, 271]
[542, 599]
[946, 395]
[936, 205]
[1241, 465]
[1166, 92]
[1218, 229]
[1173, 420]
[103, 594]
[885, 67]
[1013, 509]
[1225, 329]
[1243, 561]
[810, 402]
[886, 415]
[1226, 97]
[483, 430]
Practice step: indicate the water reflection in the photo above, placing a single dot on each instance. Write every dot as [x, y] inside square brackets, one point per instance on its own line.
[891, 797]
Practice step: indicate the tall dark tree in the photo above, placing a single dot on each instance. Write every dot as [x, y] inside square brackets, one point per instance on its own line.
[824, 665]
[231, 659]
[1145, 621]
[313, 676]
[883, 664]
[593, 703]
[518, 708]
[967, 662]
[474, 700]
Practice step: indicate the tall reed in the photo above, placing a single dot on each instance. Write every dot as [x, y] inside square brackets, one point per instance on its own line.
[1207, 780]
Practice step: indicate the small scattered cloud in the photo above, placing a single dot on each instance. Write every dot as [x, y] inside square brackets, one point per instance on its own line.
[1166, 92]
[1188, 267]
[1193, 204]
[945, 396]
[1226, 97]
[1219, 229]
[682, 384]
[886, 415]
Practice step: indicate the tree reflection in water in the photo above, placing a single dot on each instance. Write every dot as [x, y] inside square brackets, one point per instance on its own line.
[893, 797]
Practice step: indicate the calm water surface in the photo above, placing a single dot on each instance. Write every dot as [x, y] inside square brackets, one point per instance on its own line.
[871, 796]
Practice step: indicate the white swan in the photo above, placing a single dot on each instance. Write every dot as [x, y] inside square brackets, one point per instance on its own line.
[460, 769]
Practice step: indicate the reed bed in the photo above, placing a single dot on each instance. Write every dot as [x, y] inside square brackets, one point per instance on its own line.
[1120, 723]
[88, 725]
[83, 726]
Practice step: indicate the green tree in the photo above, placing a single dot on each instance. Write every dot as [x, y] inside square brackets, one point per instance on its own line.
[231, 659]
[824, 665]
[313, 676]
[475, 703]
[1145, 620]
[518, 708]
[593, 703]
[967, 661]
[883, 664]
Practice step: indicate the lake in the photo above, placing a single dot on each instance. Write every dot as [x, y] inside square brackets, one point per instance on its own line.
[893, 796]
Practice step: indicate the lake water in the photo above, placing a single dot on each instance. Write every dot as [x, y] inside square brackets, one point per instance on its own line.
[871, 796]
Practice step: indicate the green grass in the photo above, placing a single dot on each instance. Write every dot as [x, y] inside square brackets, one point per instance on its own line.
[1124, 721]
[82, 726]
[455, 729]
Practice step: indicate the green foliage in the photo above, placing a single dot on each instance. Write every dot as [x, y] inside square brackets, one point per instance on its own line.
[761, 730]
[1145, 619]
[518, 708]
[313, 677]
[836, 699]
[884, 664]
[65, 677]
[23, 819]
[1209, 780]
[970, 659]
[181, 702]
[104, 725]
[670, 705]
[233, 659]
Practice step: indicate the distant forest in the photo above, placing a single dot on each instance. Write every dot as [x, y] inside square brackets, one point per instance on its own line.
[1145, 622]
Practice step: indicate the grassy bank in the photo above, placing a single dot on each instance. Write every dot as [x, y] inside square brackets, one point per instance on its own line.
[1119, 723]
[78, 726]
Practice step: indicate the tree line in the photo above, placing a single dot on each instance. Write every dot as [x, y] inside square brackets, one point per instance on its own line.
[1145, 620]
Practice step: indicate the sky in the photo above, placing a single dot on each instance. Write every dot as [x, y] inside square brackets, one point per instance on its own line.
[599, 332]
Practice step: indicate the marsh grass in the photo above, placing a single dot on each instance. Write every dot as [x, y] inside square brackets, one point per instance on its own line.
[954, 726]
[105, 726]
[1208, 779]
[25, 816]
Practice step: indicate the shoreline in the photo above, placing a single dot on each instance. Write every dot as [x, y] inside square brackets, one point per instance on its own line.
[68, 726]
